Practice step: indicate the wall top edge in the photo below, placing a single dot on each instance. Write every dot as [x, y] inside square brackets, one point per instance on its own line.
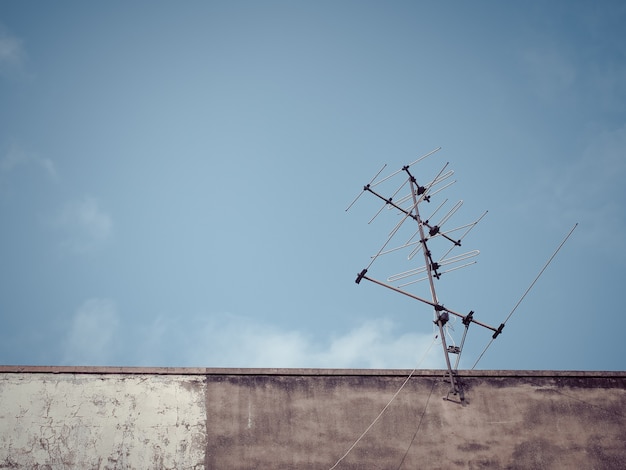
[17, 369]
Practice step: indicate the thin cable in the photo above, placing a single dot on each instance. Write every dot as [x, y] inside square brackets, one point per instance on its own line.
[419, 425]
[528, 290]
[482, 353]
[385, 408]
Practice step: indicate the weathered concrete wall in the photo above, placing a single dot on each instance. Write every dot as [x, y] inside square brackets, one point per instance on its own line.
[101, 421]
[121, 418]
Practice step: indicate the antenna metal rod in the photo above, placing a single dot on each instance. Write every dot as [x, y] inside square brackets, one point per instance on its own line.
[393, 232]
[390, 202]
[450, 213]
[361, 193]
[441, 177]
[362, 275]
[471, 226]
[484, 325]
[440, 320]
[467, 321]
[415, 281]
[427, 261]
[402, 169]
[464, 317]
[524, 295]
[405, 274]
[541, 272]
[441, 189]
[437, 210]
[421, 299]
[445, 262]
[437, 180]
[391, 250]
[385, 205]
[435, 230]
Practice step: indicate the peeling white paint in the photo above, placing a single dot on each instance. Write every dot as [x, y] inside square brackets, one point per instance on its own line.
[90, 421]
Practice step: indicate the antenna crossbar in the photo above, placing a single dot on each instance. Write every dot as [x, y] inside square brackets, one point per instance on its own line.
[438, 307]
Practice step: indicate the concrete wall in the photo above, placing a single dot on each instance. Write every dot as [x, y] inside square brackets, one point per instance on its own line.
[125, 418]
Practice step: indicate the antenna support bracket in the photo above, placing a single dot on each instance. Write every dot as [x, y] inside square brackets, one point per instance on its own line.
[498, 331]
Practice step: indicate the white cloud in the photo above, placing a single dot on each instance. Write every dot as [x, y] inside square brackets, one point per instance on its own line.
[86, 225]
[91, 334]
[231, 341]
[377, 345]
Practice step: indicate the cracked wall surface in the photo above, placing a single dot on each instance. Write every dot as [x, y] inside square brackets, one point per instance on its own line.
[125, 418]
[101, 421]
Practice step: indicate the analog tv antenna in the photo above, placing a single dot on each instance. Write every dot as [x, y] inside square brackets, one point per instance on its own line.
[431, 243]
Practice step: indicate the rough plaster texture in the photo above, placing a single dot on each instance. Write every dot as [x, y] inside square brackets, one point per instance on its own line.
[112, 418]
[101, 421]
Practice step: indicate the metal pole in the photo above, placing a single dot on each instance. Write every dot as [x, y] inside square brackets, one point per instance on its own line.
[433, 293]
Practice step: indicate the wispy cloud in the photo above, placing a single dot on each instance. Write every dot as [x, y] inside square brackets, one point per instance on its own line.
[589, 190]
[91, 334]
[598, 177]
[549, 70]
[87, 227]
[232, 341]
[99, 335]
[49, 167]
[11, 50]
[588, 74]
[12, 53]
[607, 81]
[17, 157]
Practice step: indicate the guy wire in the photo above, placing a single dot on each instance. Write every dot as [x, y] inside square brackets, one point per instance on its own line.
[528, 290]
[386, 406]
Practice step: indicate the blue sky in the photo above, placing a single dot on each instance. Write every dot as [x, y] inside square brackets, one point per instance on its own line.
[173, 179]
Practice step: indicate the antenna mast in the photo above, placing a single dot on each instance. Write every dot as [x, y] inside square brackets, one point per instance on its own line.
[410, 207]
